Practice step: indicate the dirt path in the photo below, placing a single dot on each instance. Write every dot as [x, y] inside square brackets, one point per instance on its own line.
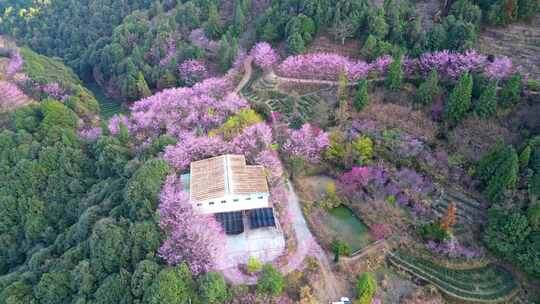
[248, 71]
[307, 245]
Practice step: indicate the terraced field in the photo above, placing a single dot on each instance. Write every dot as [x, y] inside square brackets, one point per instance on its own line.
[490, 284]
[296, 109]
[469, 211]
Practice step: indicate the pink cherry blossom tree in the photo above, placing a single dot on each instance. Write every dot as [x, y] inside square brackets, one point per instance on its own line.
[193, 238]
[307, 143]
[500, 68]
[264, 55]
[192, 71]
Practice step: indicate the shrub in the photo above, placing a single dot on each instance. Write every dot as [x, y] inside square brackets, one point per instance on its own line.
[434, 231]
[254, 265]
[365, 288]
[213, 289]
[271, 281]
[331, 199]
[340, 248]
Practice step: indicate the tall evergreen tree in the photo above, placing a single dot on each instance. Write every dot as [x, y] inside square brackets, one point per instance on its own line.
[239, 21]
[395, 73]
[377, 24]
[511, 92]
[428, 89]
[362, 99]
[498, 171]
[212, 27]
[224, 53]
[487, 103]
[459, 101]
[295, 43]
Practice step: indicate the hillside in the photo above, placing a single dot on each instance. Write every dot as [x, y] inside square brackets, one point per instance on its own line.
[519, 41]
[269, 152]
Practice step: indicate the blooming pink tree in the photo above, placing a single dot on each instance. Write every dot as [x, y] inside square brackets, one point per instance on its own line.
[307, 143]
[326, 66]
[90, 133]
[15, 63]
[192, 71]
[380, 231]
[352, 182]
[264, 55]
[193, 238]
[253, 140]
[53, 90]
[115, 121]
[500, 68]
[191, 148]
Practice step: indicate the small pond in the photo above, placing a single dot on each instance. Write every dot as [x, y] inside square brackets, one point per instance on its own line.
[109, 107]
[344, 225]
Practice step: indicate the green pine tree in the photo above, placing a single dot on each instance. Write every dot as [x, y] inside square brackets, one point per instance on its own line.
[511, 92]
[142, 86]
[362, 99]
[428, 89]
[487, 103]
[395, 74]
[295, 43]
[377, 24]
[224, 53]
[498, 171]
[239, 23]
[459, 101]
[211, 27]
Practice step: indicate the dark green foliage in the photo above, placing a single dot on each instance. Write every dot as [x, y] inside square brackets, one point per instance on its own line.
[533, 214]
[377, 24]
[173, 285]
[115, 289]
[271, 281]
[395, 74]
[54, 288]
[498, 170]
[142, 190]
[108, 246]
[212, 288]
[429, 89]
[212, 27]
[511, 91]
[527, 9]
[340, 248]
[362, 99]
[459, 101]
[295, 43]
[510, 236]
[434, 231]
[467, 11]
[487, 103]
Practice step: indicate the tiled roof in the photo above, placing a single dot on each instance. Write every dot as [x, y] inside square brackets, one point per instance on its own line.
[225, 175]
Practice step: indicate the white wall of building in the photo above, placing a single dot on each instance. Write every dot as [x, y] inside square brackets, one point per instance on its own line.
[231, 203]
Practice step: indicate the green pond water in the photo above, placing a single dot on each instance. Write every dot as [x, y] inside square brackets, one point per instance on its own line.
[344, 225]
[109, 107]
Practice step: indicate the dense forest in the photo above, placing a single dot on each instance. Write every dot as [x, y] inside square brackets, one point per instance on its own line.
[372, 108]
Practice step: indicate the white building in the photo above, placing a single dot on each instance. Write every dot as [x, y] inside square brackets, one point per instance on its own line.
[226, 184]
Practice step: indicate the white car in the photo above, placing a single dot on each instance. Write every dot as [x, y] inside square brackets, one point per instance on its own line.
[343, 300]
